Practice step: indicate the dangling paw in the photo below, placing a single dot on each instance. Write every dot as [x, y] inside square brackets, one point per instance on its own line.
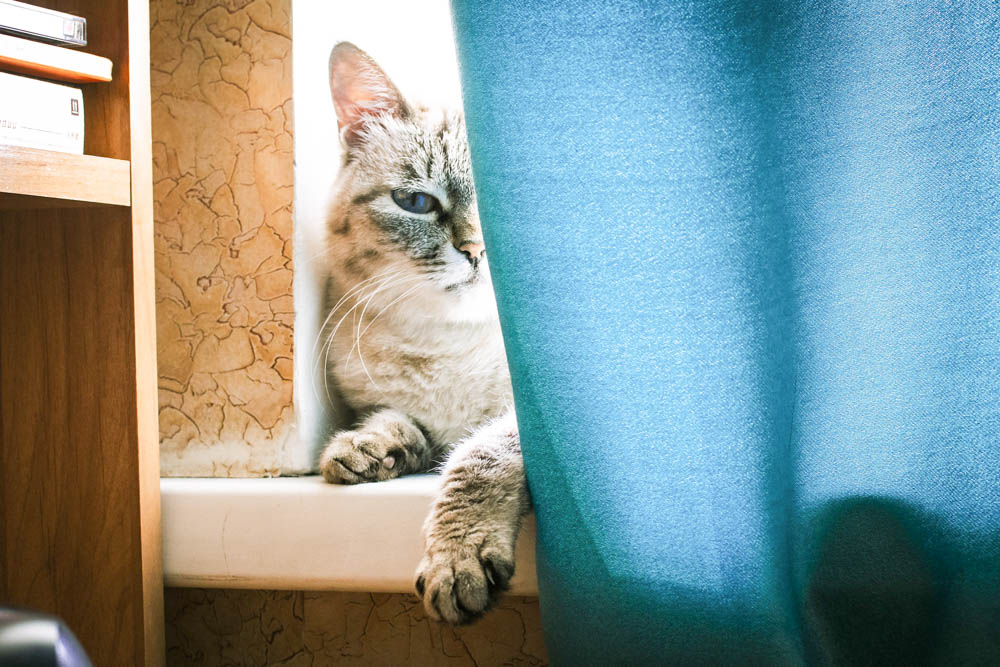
[460, 581]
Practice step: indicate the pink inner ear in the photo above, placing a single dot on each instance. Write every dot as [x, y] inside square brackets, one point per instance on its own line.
[351, 97]
[360, 90]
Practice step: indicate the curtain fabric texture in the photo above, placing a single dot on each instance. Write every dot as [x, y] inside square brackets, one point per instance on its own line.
[747, 257]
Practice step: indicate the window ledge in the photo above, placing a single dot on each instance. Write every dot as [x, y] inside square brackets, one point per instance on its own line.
[299, 533]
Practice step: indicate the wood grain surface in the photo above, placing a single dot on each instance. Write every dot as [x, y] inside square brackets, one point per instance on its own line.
[70, 505]
[79, 466]
[64, 176]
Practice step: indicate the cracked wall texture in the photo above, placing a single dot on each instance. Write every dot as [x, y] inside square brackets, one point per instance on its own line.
[222, 169]
[256, 628]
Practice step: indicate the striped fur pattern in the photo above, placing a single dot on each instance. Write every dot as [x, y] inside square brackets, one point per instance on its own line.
[412, 340]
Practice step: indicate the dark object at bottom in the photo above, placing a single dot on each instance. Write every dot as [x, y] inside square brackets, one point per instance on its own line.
[30, 639]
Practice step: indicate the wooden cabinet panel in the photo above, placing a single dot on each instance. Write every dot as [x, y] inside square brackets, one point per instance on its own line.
[79, 466]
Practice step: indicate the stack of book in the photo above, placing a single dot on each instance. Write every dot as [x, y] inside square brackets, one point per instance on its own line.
[37, 108]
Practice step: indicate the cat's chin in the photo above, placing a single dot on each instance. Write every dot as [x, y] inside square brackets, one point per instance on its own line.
[472, 303]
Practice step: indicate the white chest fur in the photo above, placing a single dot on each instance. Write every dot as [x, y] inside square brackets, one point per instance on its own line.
[449, 376]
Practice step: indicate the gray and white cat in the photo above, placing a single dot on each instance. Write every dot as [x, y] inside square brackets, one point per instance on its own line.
[413, 341]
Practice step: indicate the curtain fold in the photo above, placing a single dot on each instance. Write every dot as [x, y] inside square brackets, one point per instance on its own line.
[747, 261]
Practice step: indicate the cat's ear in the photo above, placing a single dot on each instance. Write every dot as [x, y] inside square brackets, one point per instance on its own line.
[361, 91]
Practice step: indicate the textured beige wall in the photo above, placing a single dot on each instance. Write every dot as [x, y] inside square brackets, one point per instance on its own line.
[256, 628]
[222, 169]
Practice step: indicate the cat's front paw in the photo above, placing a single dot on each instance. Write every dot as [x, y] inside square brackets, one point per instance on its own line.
[459, 581]
[354, 457]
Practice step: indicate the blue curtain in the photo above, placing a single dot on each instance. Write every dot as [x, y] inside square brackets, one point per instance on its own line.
[747, 257]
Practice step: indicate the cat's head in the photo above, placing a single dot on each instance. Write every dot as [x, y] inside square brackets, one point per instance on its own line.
[404, 209]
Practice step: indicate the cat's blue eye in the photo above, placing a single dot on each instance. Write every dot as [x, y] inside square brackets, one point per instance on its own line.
[415, 202]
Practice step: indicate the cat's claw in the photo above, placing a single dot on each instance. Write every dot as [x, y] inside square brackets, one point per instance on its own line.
[355, 457]
[459, 582]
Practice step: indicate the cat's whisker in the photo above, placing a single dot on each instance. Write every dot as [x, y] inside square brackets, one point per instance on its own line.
[321, 253]
[346, 296]
[362, 333]
[388, 274]
[357, 289]
[313, 258]
[333, 333]
[358, 302]
[394, 302]
[325, 357]
[357, 342]
[367, 299]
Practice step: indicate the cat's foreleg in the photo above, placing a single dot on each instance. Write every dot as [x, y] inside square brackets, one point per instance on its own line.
[385, 445]
[470, 533]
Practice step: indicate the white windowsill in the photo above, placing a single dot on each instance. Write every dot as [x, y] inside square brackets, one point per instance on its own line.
[299, 533]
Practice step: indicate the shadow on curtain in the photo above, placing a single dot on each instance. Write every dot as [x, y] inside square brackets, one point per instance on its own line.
[747, 258]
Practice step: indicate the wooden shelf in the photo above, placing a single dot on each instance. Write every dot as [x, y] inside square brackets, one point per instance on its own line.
[79, 443]
[29, 176]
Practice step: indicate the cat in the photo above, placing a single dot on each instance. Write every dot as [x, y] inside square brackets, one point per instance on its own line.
[413, 339]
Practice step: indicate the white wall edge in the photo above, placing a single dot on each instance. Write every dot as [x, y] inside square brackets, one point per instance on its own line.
[300, 533]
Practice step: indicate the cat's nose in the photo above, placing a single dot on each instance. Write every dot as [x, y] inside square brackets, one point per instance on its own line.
[473, 250]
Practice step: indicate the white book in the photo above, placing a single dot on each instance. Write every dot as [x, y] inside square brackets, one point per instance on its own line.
[39, 23]
[52, 62]
[40, 114]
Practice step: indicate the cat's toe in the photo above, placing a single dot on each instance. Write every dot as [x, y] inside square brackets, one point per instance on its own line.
[355, 458]
[335, 472]
[460, 582]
